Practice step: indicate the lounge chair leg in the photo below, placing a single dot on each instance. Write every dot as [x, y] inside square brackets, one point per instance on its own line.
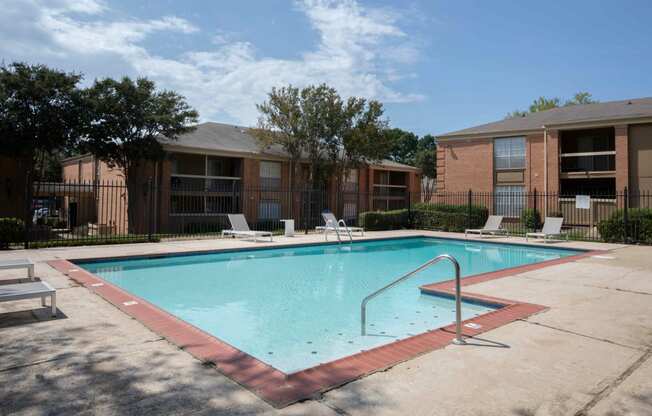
[53, 301]
[30, 271]
[42, 300]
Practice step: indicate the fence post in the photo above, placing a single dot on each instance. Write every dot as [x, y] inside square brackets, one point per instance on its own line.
[470, 202]
[409, 207]
[27, 213]
[308, 210]
[536, 211]
[625, 215]
[150, 208]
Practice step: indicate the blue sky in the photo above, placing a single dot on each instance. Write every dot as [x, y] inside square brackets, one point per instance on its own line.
[437, 65]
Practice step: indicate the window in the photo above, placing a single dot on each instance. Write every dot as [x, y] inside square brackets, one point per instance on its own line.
[269, 210]
[202, 184]
[509, 153]
[350, 211]
[351, 181]
[188, 164]
[270, 175]
[510, 200]
[591, 150]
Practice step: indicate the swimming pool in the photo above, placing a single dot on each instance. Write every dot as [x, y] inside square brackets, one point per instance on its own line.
[297, 307]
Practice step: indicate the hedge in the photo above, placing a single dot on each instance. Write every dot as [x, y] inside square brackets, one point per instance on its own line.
[639, 226]
[11, 231]
[446, 217]
[384, 220]
[531, 219]
[442, 217]
[95, 241]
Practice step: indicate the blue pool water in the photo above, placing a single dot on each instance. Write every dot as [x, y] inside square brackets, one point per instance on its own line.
[294, 308]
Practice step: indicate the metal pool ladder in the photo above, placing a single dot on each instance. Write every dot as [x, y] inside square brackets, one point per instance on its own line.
[336, 227]
[458, 296]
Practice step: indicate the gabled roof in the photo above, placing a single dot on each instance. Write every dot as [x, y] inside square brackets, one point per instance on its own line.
[608, 111]
[223, 138]
[227, 138]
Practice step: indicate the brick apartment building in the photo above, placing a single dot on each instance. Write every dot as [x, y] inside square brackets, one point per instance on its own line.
[598, 148]
[220, 168]
[595, 149]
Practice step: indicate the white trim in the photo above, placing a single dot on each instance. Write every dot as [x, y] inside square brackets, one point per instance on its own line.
[183, 175]
[390, 186]
[580, 154]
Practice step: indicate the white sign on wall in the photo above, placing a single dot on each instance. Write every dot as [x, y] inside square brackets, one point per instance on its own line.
[583, 201]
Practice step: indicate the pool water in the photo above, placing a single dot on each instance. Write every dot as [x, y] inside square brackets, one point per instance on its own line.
[295, 308]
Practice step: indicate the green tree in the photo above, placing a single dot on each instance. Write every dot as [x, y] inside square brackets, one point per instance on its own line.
[543, 103]
[315, 123]
[322, 120]
[581, 97]
[127, 119]
[361, 138]
[280, 123]
[404, 145]
[40, 115]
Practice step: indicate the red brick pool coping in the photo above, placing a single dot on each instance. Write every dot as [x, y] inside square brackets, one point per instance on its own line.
[280, 389]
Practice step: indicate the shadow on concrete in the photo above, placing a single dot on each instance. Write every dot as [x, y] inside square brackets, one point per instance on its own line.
[29, 316]
[484, 342]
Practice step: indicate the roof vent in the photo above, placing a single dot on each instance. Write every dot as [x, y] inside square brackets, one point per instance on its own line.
[629, 103]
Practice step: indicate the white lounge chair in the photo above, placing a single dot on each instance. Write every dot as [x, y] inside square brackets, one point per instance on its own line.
[19, 264]
[30, 290]
[492, 226]
[551, 228]
[239, 227]
[332, 224]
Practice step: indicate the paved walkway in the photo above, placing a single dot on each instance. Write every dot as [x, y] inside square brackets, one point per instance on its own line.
[589, 354]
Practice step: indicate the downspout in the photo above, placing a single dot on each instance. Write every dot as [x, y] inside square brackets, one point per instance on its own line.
[545, 170]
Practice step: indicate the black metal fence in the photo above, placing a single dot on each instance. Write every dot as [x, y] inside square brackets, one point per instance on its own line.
[624, 216]
[104, 212]
[71, 213]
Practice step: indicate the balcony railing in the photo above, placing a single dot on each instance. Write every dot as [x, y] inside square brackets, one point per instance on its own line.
[588, 162]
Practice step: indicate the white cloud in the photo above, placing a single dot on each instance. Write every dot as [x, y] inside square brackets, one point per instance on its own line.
[359, 52]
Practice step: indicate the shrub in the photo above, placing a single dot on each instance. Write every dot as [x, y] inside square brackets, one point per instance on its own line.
[11, 231]
[639, 226]
[130, 239]
[447, 217]
[531, 219]
[384, 220]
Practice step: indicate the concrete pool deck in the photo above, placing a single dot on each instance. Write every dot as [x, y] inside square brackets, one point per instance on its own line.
[589, 353]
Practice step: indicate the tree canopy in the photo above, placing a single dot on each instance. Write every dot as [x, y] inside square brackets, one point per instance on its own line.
[543, 103]
[333, 134]
[40, 114]
[127, 117]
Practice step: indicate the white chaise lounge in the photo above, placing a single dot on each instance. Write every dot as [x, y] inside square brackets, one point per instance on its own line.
[332, 224]
[551, 228]
[492, 226]
[240, 228]
[19, 264]
[30, 290]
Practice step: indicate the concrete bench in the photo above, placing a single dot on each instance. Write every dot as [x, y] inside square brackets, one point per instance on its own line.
[19, 264]
[30, 290]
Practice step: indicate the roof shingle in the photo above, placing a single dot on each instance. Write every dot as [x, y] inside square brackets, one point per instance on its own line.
[613, 110]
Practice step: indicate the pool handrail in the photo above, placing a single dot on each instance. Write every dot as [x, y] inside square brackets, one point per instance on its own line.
[336, 228]
[458, 295]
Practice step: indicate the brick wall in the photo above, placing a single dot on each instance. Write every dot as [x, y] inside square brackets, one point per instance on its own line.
[466, 165]
[534, 165]
[553, 161]
[622, 156]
